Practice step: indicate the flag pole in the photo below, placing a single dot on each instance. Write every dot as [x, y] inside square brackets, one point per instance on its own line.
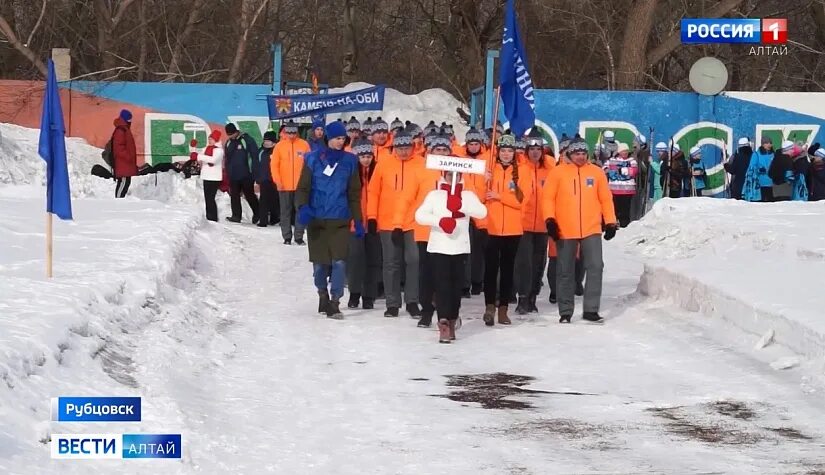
[49, 244]
[491, 158]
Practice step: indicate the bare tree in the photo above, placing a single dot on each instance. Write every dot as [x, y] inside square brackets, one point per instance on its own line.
[107, 22]
[22, 48]
[634, 45]
[349, 70]
[181, 40]
[247, 22]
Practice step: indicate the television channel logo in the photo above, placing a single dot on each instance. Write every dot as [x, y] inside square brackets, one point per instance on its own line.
[95, 409]
[116, 446]
[769, 31]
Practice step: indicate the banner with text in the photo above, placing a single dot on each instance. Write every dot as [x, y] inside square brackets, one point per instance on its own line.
[286, 107]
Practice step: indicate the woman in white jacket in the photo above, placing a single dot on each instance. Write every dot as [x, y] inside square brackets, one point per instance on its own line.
[448, 213]
[211, 160]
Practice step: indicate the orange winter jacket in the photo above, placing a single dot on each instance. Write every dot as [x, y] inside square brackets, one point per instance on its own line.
[382, 151]
[533, 216]
[579, 199]
[390, 178]
[505, 215]
[287, 163]
[411, 198]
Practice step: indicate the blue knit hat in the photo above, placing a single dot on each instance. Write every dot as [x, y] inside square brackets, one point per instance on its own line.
[317, 123]
[336, 129]
[126, 115]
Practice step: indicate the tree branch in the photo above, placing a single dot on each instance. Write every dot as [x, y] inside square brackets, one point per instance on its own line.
[37, 25]
[21, 48]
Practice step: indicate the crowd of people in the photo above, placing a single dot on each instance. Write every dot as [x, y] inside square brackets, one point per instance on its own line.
[381, 224]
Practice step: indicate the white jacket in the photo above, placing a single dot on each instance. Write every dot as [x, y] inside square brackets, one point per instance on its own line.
[434, 208]
[215, 172]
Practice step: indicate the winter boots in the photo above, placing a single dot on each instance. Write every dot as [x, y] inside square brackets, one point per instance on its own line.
[414, 310]
[426, 318]
[368, 303]
[531, 304]
[565, 318]
[391, 312]
[323, 301]
[300, 242]
[489, 315]
[444, 331]
[333, 311]
[354, 300]
[593, 317]
[579, 289]
[502, 315]
[553, 298]
[523, 307]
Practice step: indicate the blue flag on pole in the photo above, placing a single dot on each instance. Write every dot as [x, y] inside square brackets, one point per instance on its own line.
[52, 148]
[515, 84]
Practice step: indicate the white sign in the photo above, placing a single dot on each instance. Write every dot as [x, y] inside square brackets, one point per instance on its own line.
[456, 164]
[191, 127]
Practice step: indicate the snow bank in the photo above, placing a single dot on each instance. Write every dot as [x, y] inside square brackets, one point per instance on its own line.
[758, 265]
[431, 104]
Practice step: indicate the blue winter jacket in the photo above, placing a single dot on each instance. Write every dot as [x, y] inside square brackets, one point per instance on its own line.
[316, 144]
[241, 158]
[699, 180]
[761, 160]
[329, 194]
[264, 172]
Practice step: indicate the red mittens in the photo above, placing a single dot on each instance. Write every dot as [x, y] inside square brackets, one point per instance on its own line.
[447, 225]
[193, 143]
[193, 156]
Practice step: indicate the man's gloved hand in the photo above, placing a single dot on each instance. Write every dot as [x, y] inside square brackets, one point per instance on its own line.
[359, 229]
[305, 215]
[610, 231]
[552, 229]
[372, 226]
[397, 236]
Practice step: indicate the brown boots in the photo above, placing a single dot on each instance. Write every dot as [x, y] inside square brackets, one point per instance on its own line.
[490, 315]
[446, 330]
[503, 319]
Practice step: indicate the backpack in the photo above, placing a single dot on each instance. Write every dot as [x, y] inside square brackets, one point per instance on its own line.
[108, 154]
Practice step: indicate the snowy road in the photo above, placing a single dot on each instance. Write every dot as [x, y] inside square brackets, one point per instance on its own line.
[258, 382]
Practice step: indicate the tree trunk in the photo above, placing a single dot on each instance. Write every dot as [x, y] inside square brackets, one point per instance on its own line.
[634, 45]
[8, 32]
[818, 14]
[181, 40]
[144, 41]
[107, 22]
[349, 72]
[247, 22]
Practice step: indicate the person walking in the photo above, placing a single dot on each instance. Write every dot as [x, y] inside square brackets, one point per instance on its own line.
[124, 164]
[447, 211]
[269, 210]
[241, 156]
[287, 165]
[577, 200]
[328, 197]
[211, 160]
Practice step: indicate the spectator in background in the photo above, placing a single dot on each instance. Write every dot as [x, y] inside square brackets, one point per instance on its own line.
[738, 167]
[698, 178]
[781, 172]
[655, 187]
[353, 132]
[758, 185]
[269, 210]
[676, 171]
[241, 155]
[622, 170]
[316, 136]
[816, 175]
[286, 166]
[211, 160]
[125, 153]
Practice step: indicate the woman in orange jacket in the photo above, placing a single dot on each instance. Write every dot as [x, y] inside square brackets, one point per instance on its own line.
[364, 261]
[506, 191]
[577, 201]
[532, 250]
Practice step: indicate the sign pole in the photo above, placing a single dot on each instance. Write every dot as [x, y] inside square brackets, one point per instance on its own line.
[491, 159]
[49, 244]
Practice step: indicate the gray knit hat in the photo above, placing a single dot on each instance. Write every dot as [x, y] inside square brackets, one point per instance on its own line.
[577, 145]
[362, 147]
[396, 124]
[366, 127]
[431, 127]
[379, 125]
[447, 129]
[402, 138]
[474, 135]
[353, 124]
[441, 140]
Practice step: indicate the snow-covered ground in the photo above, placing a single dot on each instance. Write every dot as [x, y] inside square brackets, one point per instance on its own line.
[214, 326]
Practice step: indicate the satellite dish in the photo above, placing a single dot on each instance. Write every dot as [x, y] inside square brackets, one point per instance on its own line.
[708, 76]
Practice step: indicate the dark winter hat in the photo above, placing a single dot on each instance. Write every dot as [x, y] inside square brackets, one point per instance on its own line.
[402, 138]
[366, 127]
[534, 138]
[766, 139]
[362, 147]
[230, 129]
[396, 124]
[335, 129]
[379, 125]
[440, 140]
[271, 136]
[474, 135]
[507, 141]
[290, 127]
[577, 145]
[126, 115]
[353, 124]
[414, 129]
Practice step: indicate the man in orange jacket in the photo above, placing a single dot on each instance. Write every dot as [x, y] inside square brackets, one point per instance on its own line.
[286, 165]
[393, 174]
[576, 202]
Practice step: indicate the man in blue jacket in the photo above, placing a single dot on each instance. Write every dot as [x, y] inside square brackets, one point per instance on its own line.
[241, 158]
[328, 198]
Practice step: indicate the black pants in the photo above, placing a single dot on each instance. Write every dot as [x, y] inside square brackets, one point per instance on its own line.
[247, 187]
[448, 272]
[622, 204]
[530, 260]
[269, 208]
[500, 256]
[210, 190]
[478, 246]
[122, 186]
[364, 266]
[426, 274]
[767, 194]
